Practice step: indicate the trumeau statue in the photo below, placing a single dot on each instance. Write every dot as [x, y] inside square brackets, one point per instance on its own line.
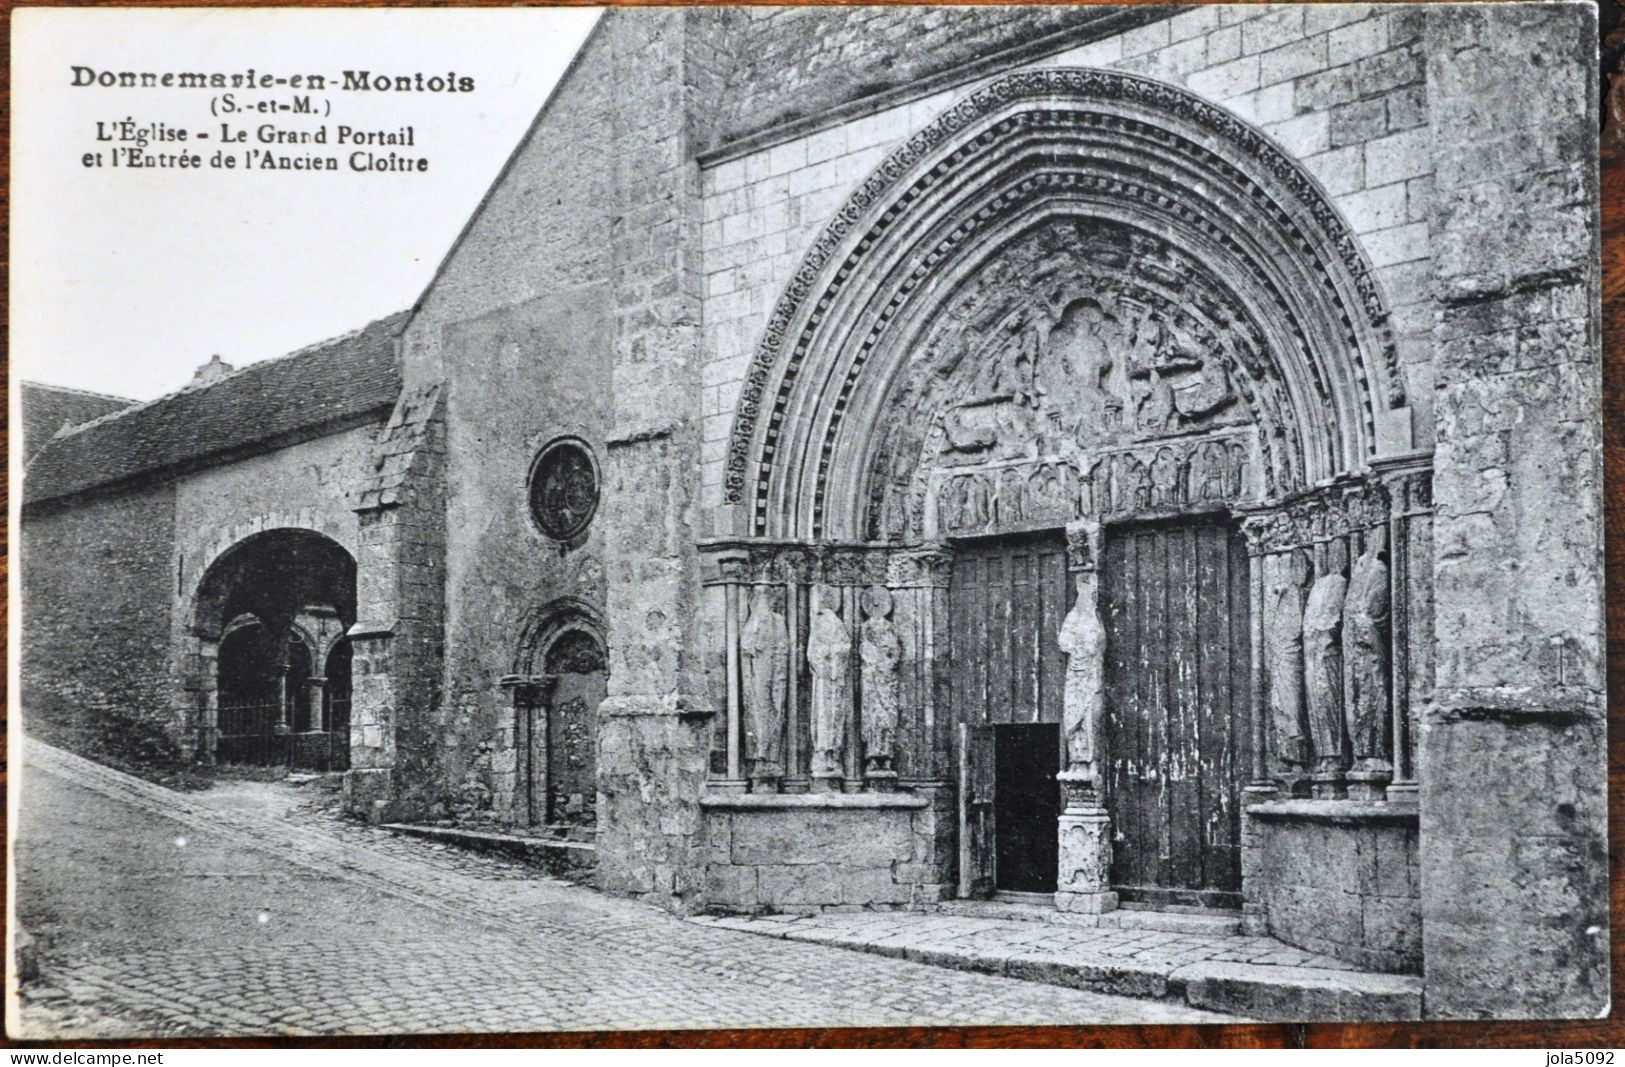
[829, 650]
[1284, 579]
[1323, 669]
[765, 643]
[1083, 639]
[880, 649]
[1365, 645]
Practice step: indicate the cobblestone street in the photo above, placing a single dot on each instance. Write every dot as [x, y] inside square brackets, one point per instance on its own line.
[247, 910]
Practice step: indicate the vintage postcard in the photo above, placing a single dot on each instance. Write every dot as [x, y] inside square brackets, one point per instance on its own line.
[667, 518]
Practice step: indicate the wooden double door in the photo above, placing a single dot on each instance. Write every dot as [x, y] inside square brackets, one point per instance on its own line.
[1174, 603]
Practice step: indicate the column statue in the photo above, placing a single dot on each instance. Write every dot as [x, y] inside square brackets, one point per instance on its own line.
[1284, 579]
[880, 650]
[765, 644]
[1366, 649]
[1323, 673]
[829, 650]
[1083, 639]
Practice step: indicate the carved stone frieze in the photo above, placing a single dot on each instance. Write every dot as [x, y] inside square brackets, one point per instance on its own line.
[1165, 479]
[1332, 512]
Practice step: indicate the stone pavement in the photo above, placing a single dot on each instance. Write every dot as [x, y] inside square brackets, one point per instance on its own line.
[1257, 977]
[244, 910]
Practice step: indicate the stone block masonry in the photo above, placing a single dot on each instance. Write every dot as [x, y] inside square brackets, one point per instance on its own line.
[814, 853]
[1341, 879]
[97, 580]
[1514, 858]
[654, 731]
[1343, 92]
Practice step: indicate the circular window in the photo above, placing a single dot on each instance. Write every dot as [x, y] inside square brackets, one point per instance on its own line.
[564, 488]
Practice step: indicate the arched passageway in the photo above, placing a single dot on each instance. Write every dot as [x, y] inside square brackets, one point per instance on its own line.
[270, 619]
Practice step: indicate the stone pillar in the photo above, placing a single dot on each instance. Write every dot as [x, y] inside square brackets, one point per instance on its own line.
[397, 639]
[731, 570]
[1513, 754]
[208, 741]
[1083, 882]
[283, 725]
[317, 689]
[656, 724]
[1261, 786]
[1408, 479]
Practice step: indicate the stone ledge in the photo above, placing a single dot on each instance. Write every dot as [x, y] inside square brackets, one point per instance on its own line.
[1298, 994]
[557, 857]
[821, 801]
[1337, 811]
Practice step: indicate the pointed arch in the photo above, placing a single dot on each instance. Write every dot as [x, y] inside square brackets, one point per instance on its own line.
[1050, 147]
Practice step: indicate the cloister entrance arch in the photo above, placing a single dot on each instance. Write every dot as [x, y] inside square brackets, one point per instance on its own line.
[270, 670]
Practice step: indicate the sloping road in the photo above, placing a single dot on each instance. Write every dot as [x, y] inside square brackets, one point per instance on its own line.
[242, 911]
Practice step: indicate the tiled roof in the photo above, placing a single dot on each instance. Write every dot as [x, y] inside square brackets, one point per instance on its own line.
[328, 383]
[49, 408]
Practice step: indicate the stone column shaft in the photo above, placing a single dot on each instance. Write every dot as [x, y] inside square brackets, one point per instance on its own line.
[1083, 880]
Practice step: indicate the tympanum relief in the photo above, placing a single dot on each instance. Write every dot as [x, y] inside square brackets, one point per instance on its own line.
[1088, 369]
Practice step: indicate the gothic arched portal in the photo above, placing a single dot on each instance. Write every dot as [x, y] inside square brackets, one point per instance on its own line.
[1084, 354]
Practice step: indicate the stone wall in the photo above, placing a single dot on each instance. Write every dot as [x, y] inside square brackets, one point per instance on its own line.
[791, 63]
[1340, 87]
[516, 324]
[652, 729]
[1342, 878]
[788, 853]
[1515, 854]
[97, 582]
[540, 364]
[398, 637]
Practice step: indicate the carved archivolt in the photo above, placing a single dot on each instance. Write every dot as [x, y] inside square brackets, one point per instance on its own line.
[1170, 194]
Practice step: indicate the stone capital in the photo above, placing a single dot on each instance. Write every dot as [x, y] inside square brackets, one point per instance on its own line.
[1083, 545]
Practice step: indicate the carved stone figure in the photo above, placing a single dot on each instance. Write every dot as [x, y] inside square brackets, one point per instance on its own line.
[1083, 639]
[880, 650]
[1365, 645]
[1323, 669]
[1284, 578]
[829, 650]
[765, 643]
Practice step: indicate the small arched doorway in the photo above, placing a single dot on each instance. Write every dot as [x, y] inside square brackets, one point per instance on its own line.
[564, 663]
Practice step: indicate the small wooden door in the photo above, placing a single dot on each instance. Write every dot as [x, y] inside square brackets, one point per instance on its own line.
[577, 661]
[1006, 602]
[1177, 654]
[1026, 806]
[977, 791]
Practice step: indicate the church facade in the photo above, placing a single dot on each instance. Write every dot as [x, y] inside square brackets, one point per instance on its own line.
[871, 458]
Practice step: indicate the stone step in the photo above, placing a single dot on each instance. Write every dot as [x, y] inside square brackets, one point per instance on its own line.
[1261, 991]
[1299, 994]
[1214, 923]
[1190, 921]
[555, 856]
